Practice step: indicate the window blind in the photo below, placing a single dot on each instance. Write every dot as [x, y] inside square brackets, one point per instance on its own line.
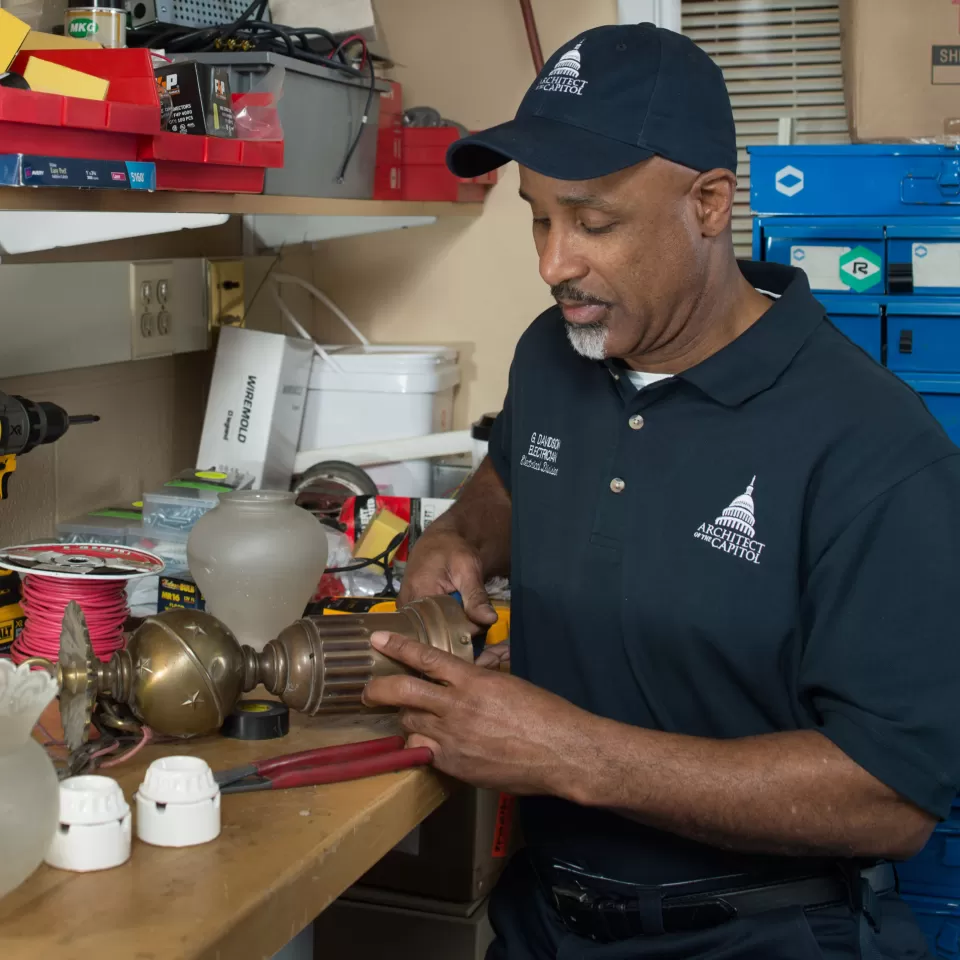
[779, 59]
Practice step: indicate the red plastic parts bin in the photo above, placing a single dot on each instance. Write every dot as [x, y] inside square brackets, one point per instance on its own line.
[424, 174]
[132, 104]
[45, 123]
[211, 164]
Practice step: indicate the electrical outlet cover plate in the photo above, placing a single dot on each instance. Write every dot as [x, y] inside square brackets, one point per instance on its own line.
[166, 307]
[226, 306]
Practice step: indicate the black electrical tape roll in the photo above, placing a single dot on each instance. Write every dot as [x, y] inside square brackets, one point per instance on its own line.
[257, 720]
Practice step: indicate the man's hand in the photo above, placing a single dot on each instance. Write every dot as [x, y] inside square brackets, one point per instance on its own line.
[791, 794]
[443, 562]
[494, 657]
[485, 728]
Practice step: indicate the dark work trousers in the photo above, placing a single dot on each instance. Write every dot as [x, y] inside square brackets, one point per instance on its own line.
[528, 928]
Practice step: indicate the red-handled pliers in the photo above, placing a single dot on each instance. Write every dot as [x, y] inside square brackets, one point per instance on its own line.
[349, 761]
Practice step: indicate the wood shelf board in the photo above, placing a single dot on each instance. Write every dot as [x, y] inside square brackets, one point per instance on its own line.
[135, 201]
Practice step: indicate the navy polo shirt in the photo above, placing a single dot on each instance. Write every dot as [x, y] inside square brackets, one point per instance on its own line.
[769, 541]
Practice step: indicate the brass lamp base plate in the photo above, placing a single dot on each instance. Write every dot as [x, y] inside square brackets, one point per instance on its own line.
[78, 686]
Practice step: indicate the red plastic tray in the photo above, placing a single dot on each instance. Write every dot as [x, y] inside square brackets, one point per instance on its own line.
[436, 182]
[188, 148]
[427, 145]
[209, 177]
[132, 104]
[66, 142]
[214, 164]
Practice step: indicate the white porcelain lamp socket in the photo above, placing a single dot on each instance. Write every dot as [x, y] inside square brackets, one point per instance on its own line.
[178, 803]
[95, 826]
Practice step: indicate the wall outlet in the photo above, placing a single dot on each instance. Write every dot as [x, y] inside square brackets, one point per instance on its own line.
[69, 315]
[167, 313]
[226, 304]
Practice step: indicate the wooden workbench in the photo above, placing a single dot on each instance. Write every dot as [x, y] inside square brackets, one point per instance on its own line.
[281, 858]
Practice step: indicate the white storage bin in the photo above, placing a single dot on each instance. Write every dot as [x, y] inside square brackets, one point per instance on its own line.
[366, 394]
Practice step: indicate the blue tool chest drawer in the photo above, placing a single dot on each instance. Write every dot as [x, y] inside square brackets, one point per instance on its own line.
[844, 257]
[923, 337]
[856, 180]
[939, 920]
[876, 228]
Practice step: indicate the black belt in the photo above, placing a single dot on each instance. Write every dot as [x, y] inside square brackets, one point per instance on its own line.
[607, 910]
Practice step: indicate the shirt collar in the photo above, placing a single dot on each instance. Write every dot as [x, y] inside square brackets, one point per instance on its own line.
[755, 360]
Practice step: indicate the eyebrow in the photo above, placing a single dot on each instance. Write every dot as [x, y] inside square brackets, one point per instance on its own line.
[577, 200]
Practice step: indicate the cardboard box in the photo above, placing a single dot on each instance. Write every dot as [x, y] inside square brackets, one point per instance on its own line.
[457, 854]
[31, 170]
[201, 100]
[179, 592]
[255, 406]
[44, 76]
[53, 41]
[368, 925]
[13, 32]
[901, 64]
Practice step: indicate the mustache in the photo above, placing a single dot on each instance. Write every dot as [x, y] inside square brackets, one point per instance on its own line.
[569, 293]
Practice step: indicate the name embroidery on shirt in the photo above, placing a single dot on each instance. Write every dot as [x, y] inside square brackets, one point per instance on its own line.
[542, 454]
[734, 530]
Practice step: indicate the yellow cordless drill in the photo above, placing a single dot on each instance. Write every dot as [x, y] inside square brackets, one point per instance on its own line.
[25, 424]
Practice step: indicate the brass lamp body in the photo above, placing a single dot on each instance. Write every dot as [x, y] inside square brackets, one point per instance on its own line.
[183, 671]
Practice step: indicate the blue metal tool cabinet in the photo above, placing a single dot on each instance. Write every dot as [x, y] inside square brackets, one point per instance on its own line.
[877, 230]
[876, 227]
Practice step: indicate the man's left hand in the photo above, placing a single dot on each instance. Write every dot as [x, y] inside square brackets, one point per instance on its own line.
[484, 727]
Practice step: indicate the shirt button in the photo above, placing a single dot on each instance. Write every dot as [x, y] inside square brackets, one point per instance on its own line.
[617, 485]
[636, 422]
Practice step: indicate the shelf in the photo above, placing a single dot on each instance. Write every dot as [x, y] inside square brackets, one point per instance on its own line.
[38, 218]
[235, 204]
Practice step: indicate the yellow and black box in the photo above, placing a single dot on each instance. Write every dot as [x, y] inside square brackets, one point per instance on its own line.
[178, 592]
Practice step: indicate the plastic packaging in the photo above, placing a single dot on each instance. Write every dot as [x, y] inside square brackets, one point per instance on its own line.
[117, 526]
[178, 803]
[175, 510]
[95, 826]
[256, 111]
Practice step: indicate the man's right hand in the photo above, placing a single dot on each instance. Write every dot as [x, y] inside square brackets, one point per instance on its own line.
[443, 562]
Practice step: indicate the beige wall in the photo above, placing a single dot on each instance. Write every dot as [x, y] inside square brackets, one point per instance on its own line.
[471, 283]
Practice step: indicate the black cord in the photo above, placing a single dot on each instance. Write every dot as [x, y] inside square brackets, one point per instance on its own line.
[363, 123]
[250, 32]
[380, 560]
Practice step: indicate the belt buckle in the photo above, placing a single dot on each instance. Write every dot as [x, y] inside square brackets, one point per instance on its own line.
[609, 918]
[573, 906]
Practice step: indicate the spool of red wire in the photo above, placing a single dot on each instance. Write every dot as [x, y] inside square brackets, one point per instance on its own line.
[44, 600]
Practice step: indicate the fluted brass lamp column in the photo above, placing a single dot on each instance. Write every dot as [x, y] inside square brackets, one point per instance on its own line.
[183, 671]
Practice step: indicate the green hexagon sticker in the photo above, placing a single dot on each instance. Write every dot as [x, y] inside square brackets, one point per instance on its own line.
[860, 269]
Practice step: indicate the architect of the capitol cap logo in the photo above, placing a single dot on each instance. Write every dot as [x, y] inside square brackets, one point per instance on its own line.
[565, 75]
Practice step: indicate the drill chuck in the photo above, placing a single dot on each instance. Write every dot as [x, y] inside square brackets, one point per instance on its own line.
[25, 424]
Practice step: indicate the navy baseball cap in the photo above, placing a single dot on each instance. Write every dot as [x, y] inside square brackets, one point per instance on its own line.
[611, 98]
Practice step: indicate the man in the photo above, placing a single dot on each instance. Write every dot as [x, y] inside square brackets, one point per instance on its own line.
[733, 546]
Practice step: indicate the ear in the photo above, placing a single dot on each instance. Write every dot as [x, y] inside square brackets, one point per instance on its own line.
[713, 193]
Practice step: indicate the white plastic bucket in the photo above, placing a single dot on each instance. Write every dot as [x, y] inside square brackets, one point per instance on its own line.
[365, 394]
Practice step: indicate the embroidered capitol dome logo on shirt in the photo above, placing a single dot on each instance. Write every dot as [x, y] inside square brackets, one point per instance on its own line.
[734, 530]
[565, 76]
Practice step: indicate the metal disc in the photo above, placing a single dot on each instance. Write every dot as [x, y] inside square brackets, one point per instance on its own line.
[78, 692]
